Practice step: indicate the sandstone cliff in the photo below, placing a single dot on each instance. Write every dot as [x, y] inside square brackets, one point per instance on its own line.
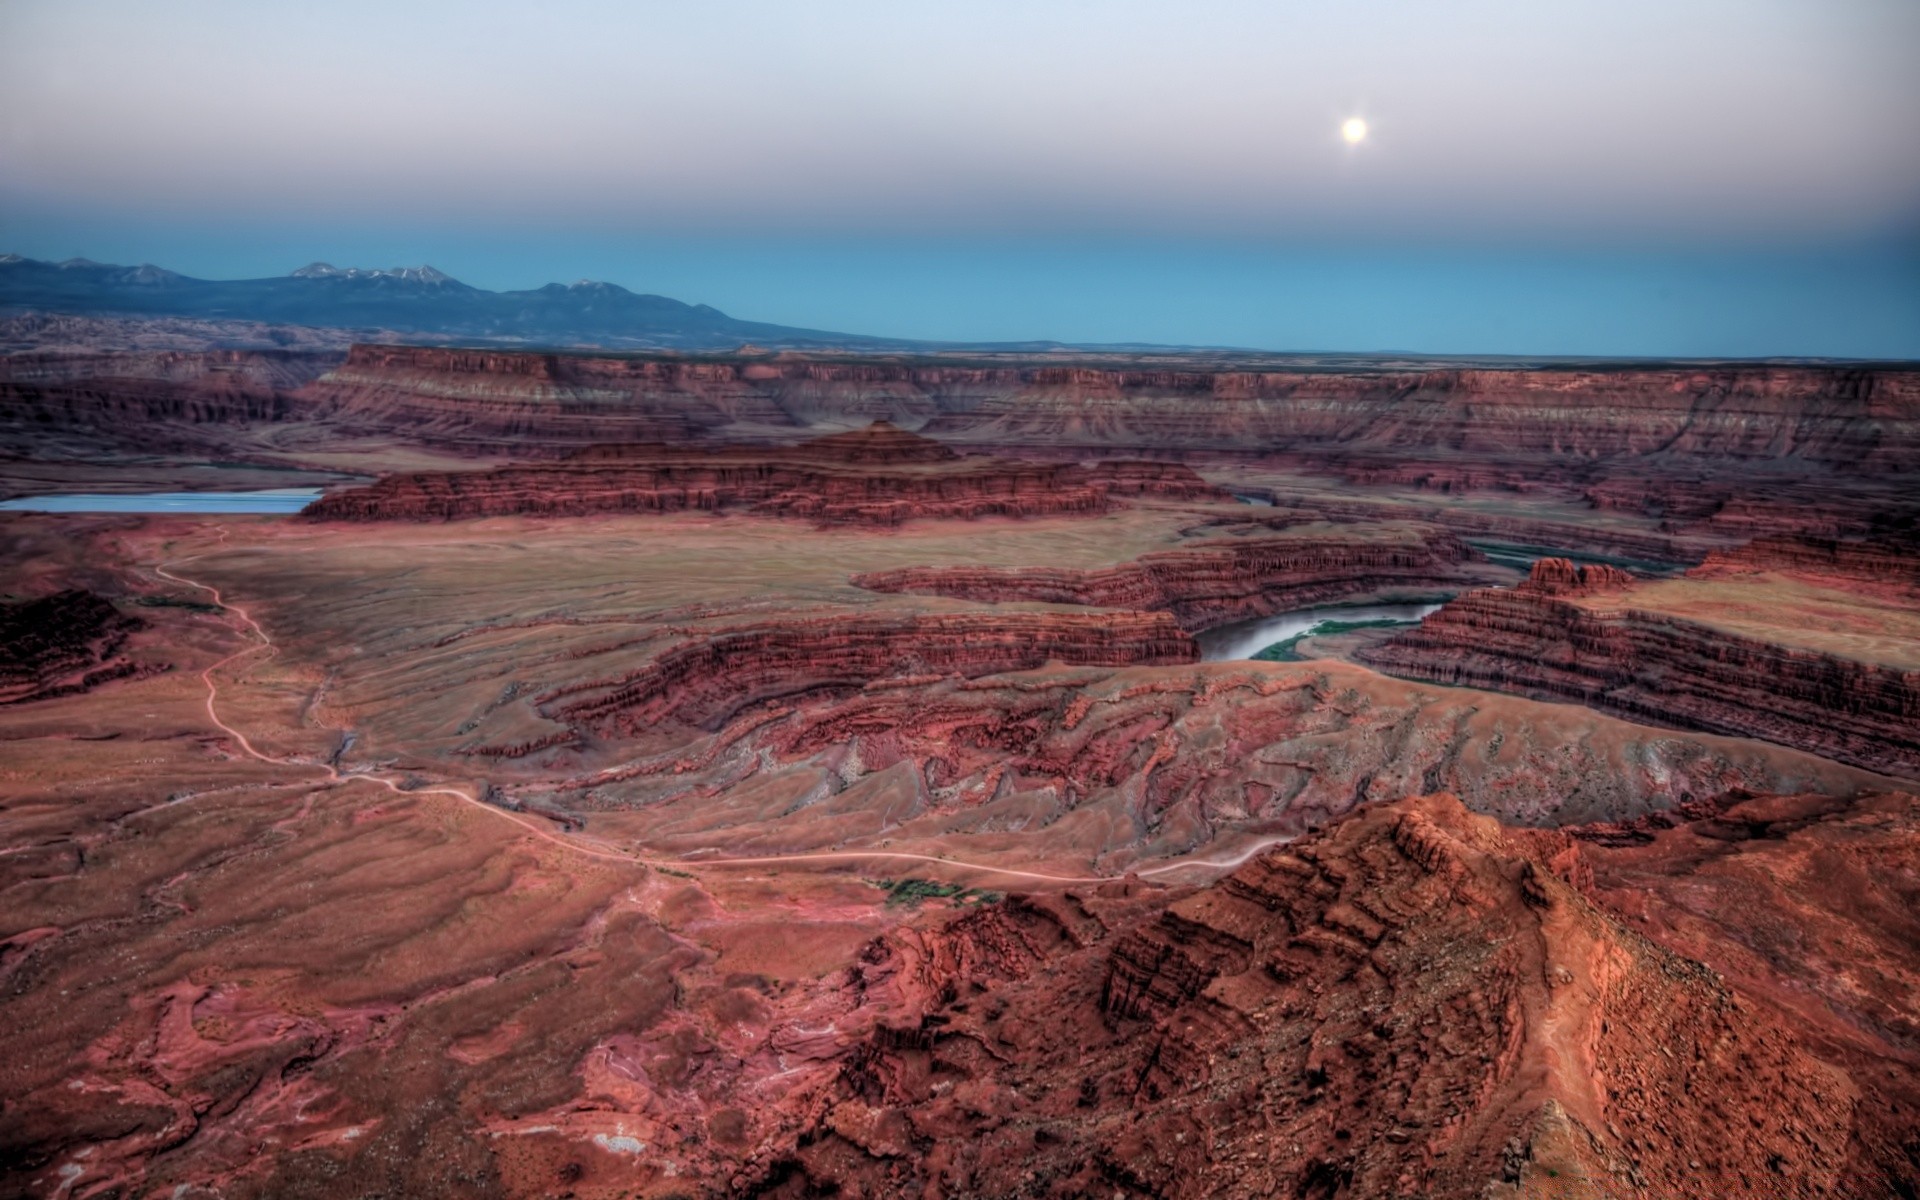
[877, 476]
[1860, 418]
[162, 400]
[707, 679]
[1539, 640]
[1881, 563]
[1211, 584]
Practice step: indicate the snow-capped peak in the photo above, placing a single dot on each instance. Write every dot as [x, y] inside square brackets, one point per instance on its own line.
[420, 274]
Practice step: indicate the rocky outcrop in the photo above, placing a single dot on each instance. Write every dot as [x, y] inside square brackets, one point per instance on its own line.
[878, 476]
[61, 644]
[1560, 577]
[1214, 583]
[1409, 1002]
[707, 679]
[1875, 563]
[1540, 640]
[1158, 762]
[1138, 477]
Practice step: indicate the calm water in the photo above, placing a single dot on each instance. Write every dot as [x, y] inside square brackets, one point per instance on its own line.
[1248, 638]
[276, 500]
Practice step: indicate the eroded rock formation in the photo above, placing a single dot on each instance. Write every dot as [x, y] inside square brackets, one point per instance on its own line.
[1560, 577]
[709, 677]
[1879, 563]
[1549, 638]
[1214, 583]
[878, 476]
[1411, 1002]
[1851, 416]
[161, 400]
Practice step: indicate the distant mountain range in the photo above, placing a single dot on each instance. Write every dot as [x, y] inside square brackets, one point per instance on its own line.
[409, 300]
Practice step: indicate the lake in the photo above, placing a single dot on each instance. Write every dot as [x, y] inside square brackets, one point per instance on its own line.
[274, 500]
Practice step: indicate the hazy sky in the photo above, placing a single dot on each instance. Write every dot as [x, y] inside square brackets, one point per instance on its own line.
[1578, 175]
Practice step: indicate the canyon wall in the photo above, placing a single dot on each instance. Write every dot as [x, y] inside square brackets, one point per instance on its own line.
[1212, 584]
[156, 400]
[1875, 563]
[1859, 418]
[1540, 640]
[876, 476]
[707, 679]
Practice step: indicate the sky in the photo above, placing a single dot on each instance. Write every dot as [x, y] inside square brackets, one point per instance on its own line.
[1657, 177]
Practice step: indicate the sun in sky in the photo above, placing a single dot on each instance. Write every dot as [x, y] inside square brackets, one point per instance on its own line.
[1354, 130]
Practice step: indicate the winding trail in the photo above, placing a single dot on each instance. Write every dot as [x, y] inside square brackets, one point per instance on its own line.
[336, 777]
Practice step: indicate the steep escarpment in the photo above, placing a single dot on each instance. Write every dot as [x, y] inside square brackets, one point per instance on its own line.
[61, 644]
[155, 400]
[1408, 1002]
[1879, 563]
[528, 404]
[1854, 417]
[877, 476]
[1571, 635]
[705, 680]
[1214, 583]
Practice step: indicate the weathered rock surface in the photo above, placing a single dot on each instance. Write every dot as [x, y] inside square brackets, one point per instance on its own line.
[1410, 1002]
[780, 957]
[1122, 769]
[1559, 577]
[1214, 583]
[1805, 905]
[1858, 417]
[61, 644]
[153, 401]
[1875, 563]
[878, 476]
[707, 678]
[1549, 638]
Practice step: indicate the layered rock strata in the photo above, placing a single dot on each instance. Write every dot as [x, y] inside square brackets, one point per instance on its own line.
[1123, 767]
[152, 401]
[878, 476]
[707, 679]
[61, 644]
[1551, 639]
[1211, 584]
[1880, 563]
[1855, 417]
[1410, 1002]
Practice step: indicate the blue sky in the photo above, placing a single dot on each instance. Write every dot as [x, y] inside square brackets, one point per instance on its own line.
[1636, 177]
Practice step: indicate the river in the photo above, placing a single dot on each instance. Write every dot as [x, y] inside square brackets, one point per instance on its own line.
[1245, 639]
